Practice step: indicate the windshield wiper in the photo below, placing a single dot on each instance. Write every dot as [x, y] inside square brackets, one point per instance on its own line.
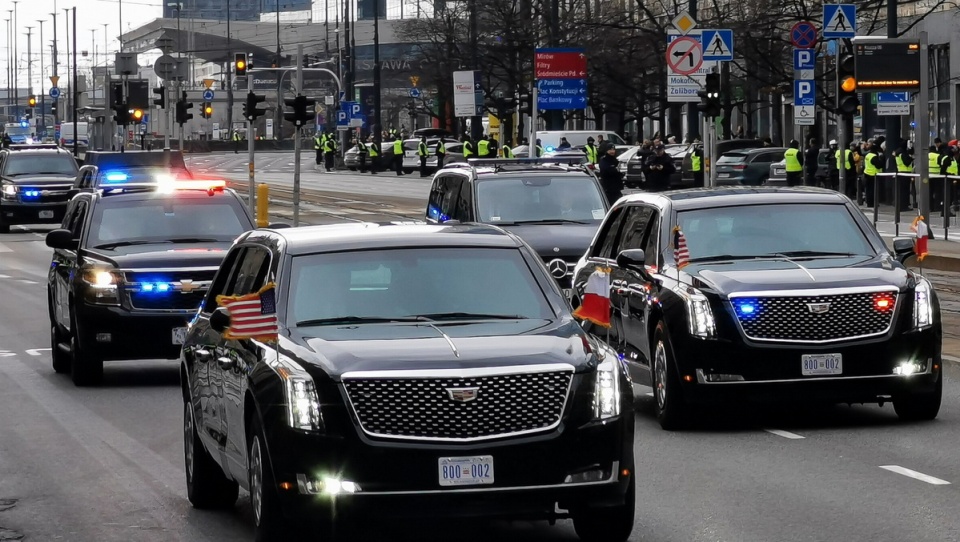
[728, 257]
[357, 320]
[471, 315]
[193, 240]
[812, 253]
[128, 243]
[549, 221]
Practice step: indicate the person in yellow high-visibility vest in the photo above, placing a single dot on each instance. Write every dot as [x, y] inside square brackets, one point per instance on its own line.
[591, 151]
[423, 152]
[506, 151]
[872, 164]
[398, 154]
[696, 164]
[905, 187]
[794, 163]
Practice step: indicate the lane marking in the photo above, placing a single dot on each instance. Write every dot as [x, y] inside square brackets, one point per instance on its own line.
[25, 281]
[915, 475]
[5, 248]
[36, 351]
[950, 358]
[784, 434]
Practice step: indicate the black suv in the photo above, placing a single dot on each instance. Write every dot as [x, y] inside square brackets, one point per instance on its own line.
[412, 371]
[555, 208]
[129, 271]
[109, 168]
[738, 293]
[35, 181]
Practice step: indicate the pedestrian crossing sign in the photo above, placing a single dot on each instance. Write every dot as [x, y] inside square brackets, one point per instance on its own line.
[839, 21]
[717, 45]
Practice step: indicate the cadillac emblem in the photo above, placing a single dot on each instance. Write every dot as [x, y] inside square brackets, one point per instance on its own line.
[819, 308]
[463, 395]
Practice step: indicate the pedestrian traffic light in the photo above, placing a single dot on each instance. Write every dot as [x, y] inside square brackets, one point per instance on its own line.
[302, 110]
[206, 110]
[28, 113]
[183, 109]
[710, 96]
[526, 102]
[162, 97]
[847, 100]
[250, 110]
[136, 116]
[240, 64]
[32, 101]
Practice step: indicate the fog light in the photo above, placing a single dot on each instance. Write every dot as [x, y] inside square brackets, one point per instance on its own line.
[104, 337]
[908, 368]
[704, 377]
[593, 475]
[325, 486]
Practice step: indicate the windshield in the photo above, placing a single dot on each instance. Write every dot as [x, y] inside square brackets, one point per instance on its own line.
[124, 175]
[769, 230]
[436, 283]
[162, 219]
[40, 164]
[732, 159]
[508, 200]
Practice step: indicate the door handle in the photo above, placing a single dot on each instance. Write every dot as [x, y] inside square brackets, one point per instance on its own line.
[202, 355]
[226, 363]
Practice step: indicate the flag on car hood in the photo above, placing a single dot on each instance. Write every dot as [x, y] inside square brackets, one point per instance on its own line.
[252, 316]
[920, 243]
[595, 305]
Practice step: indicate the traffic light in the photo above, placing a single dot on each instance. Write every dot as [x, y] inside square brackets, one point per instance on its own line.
[250, 110]
[240, 64]
[847, 100]
[206, 110]
[136, 116]
[32, 101]
[28, 113]
[183, 109]
[526, 102]
[302, 110]
[162, 99]
[710, 96]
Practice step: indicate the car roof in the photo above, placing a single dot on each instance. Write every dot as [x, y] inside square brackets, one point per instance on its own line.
[704, 198]
[145, 193]
[42, 149]
[133, 158]
[372, 235]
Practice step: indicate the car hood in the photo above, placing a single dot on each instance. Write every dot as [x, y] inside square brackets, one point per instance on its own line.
[443, 345]
[565, 241]
[768, 275]
[40, 180]
[164, 255]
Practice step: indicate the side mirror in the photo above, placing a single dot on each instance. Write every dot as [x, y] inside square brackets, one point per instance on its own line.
[62, 239]
[632, 259]
[903, 248]
[278, 225]
[220, 320]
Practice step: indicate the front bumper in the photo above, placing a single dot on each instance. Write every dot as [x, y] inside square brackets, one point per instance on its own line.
[773, 372]
[132, 334]
[17, 212]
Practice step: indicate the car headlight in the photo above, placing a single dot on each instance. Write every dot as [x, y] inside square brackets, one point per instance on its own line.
[607, 393]
[10, 190]
[101, 286]
[300, 392]
[922, 304]
[700, 320]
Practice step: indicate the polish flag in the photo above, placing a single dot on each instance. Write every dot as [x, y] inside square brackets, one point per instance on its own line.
[923, 232]
[595, 306]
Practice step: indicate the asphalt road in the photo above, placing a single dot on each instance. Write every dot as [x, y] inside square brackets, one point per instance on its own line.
[105, 464]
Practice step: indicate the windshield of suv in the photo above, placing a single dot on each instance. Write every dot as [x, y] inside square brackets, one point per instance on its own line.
[793, 230]
[506, 200]
[434, 284]
[732, 159]
[139, 175]
[159, 220]
[40, 164]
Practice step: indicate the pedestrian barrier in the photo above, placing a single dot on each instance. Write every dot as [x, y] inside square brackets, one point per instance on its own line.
[263, 205]
[947, 183]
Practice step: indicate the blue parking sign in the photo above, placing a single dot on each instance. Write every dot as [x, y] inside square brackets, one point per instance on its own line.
[804, 92]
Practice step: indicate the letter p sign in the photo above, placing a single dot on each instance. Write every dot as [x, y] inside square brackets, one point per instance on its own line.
[804, 59]
[804, 93]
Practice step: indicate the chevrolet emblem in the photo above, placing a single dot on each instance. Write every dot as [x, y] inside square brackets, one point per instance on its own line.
[187, 286]
[463, 395]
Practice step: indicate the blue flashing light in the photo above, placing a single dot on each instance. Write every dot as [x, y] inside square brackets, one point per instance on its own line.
[146, 287]
[550, 149]
[116, 177]
[29, 193]
[163, 287]
[24, 123]
[747, 308]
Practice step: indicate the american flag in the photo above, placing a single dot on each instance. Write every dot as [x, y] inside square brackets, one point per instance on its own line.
[680, 253]
[252, 316]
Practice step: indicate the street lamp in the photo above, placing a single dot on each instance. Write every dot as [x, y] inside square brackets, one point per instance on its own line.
[42, 122]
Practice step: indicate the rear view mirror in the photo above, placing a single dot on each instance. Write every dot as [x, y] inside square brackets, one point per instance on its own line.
[903, 248]
[278, 226]
[62, 239]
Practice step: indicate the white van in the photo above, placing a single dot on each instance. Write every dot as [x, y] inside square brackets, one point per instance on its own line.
[577, 138]
[66, 134]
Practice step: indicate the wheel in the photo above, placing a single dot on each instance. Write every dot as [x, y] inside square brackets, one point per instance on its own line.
[919, 406]
[408, 170]
[268, 521]
[669, 406]
[352, 168]
[4, 228]
[608, 524]
[207, 486]
[61, 361]
[85, 370]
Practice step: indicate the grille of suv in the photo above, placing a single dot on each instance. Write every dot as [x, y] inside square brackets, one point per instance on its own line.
[816, 318]
[448, 407]
[174, 299]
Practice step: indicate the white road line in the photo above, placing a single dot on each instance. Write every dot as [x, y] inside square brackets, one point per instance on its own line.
[950, 358]
[649, 394]
[5, 248]
[915, 475]
[4, 276]
[784, 434]
[25, 281]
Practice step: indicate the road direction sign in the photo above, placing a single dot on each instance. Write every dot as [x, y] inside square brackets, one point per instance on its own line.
[561, 94]
[684, 55]
[414, 92]
[803, 35]
[560, 63]
[717, 45]
[207, 95]
[839, 21]
[54, 92]
[805, 115]
[804, 92]
[893, 103]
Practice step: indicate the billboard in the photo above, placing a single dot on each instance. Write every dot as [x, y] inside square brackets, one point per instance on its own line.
[887, 65]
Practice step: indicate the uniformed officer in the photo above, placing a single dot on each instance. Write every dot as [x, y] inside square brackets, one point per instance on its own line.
[904, 165]
[483, 147]
[591, 151]
[398, 154]
[540, 150]
[441, 152]
[872, 164]
[506, 151]
[469, 150]
[362, 154]
[696, 164]
[423, 152]
[319, 145]
[373, 149]
[236, 141]
[329, 152]
[794, 163]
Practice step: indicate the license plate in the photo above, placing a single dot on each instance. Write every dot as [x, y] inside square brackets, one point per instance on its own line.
[723, 175]
[821, 364]
[466, 471]
[179, 335]
[46, 214]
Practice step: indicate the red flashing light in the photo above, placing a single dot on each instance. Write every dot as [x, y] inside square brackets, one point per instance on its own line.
[884, 302]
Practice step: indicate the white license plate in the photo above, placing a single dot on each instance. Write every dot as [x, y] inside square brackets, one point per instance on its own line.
[466, 471]
[821, 364]
[179, 335]
[722, 175]
[46, 214]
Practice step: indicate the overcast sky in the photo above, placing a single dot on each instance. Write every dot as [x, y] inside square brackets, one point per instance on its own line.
[91, 15]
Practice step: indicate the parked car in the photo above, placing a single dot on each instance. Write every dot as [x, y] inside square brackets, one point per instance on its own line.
[723, 147]
[411, 160]
[781, 294]
[778, 170]
[749, 167]
[351, 158]
[550, 139]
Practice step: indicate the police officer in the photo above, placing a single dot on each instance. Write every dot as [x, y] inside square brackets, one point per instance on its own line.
[469, 150]
[810, 162]
[506, 151]
[611, 179]
[540, 151]
[591, 151]
[397, 154]
[236, 141]
[696, 164]
[441, 151]
[904, 165]
[362, 154]
[656, 170]
[329, 152]
[423, 152]
[319, 145]
[373, 149]
[833, 161]
[492, 146]
[794, 163]
[872, 164]
[483, 147]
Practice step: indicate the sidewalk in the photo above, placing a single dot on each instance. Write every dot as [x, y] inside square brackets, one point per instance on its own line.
[943, 254]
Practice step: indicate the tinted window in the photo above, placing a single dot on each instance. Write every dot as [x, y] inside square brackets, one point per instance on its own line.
[224, 279]
[636, 227]
[135, 159]
[413, 282]
[609, 235]
[39, 164]
[159, 219]
[769, 229]
[732, 159]
[517, 199]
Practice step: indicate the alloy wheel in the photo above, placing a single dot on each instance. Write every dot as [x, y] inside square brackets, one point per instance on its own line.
[256, 480]
[660, 368]
[188, 439]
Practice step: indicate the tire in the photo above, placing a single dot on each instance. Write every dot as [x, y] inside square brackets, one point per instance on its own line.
[352, 168]
[84, 369]
[608, 524]
[207, 486]
[268, 522]
[671, 410]
[920, 406]
[4, 228]
[61, 361]
[408, 170]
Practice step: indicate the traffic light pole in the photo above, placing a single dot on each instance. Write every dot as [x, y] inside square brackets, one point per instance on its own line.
[533, 120]
[251, 186]
[167, 112]
[296, 143]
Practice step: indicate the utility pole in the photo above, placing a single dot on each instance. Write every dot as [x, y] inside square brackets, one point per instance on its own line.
[476, 121]
[252, 186]
[229, 75]
[30, 67]
[41, 124]
[892, 129]
[693, 116]
[70, 97]
[296, 138]
[56, 61]
[16, 62]
[923, 130]
[74, 86]
[376, 127]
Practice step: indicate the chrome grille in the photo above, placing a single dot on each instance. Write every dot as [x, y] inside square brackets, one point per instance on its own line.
[507, 403]
[815, 318]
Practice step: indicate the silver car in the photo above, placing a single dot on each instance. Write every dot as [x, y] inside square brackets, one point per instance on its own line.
[411, 161]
